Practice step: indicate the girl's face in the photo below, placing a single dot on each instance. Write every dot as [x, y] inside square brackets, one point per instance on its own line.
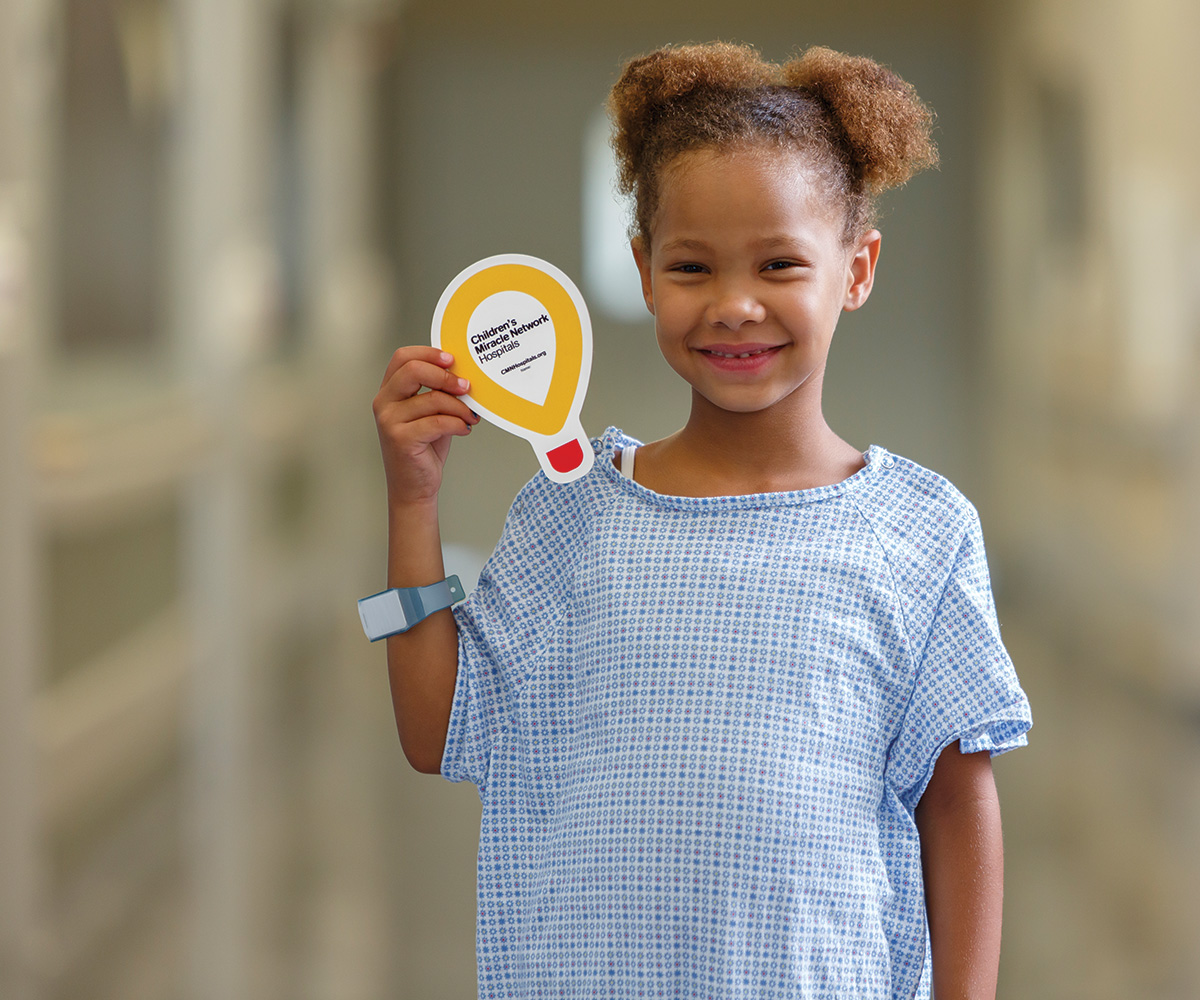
[746, 276]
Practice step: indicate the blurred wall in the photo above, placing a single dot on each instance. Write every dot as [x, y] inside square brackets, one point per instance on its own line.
[1093, 282]
[190, 286]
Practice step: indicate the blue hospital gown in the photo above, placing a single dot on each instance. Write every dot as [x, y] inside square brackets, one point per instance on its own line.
[699, 728]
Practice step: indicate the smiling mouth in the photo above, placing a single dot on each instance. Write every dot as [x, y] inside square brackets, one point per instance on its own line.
[745, 354]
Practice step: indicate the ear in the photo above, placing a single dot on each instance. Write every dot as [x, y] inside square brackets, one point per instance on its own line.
[861, 273]
[641, 257]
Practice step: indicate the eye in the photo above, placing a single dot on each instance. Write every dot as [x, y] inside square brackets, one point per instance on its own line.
[780, 265]
[688, 268]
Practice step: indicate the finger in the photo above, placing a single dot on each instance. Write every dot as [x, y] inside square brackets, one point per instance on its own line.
[397, 423]
[429, 403]
[414, 375]
[429, 430]
[416, 352]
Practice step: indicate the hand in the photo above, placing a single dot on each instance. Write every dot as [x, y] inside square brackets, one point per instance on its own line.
[415, 427]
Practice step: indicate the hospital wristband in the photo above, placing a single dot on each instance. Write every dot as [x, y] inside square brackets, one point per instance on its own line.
[391, 612]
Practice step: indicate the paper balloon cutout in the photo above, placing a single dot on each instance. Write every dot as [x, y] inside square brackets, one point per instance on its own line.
[519, 331]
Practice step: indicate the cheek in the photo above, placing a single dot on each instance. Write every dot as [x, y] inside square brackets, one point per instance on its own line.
[662, 337]
[675, 308]
[665, 314]
[670, 345]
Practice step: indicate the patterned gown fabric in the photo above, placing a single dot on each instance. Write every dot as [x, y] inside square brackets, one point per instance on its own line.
[699, 728]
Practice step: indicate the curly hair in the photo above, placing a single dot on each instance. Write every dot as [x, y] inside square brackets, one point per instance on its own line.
[863, 127]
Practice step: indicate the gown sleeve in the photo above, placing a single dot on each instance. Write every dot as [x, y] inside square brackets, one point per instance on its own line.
[504, 628]
[966, 688]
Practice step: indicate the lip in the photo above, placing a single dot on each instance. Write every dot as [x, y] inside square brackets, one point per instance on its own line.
[729, 357]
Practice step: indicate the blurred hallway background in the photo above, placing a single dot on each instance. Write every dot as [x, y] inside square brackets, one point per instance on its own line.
[217, 220]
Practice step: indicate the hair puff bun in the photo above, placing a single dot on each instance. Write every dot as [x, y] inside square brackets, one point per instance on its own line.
[886, 126]
[863, 127]
[651, 83]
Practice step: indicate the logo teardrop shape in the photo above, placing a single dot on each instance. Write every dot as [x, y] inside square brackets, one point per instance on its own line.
[519, 331]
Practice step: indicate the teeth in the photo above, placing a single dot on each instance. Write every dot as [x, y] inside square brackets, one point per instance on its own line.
[748, 354]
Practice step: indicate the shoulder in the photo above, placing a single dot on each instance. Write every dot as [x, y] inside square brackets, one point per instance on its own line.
[908, 499]
[551, 507]
[922, 523]
[927, 531]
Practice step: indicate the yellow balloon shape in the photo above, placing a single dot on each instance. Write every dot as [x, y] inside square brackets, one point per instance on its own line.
[519, 331]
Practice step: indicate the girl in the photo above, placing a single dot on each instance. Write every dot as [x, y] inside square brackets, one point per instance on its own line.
[730, 699]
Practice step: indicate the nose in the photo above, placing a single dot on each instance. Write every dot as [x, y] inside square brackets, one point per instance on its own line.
[734, 305]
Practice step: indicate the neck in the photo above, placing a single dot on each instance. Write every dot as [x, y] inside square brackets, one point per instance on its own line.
[721, 452]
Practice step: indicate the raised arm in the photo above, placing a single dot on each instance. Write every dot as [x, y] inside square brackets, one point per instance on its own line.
[415, 429]
[963, 857]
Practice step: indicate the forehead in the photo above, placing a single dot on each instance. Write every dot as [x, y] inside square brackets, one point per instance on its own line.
[742, 188]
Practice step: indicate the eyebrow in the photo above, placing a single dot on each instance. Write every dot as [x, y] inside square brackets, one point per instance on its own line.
[684, 244]
[767, 243]
[785, 242]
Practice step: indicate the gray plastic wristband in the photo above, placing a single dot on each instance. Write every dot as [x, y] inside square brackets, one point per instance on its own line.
[391, 612]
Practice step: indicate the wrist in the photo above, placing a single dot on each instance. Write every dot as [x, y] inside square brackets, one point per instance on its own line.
[415, 512]
[405, 489]
[414, 544]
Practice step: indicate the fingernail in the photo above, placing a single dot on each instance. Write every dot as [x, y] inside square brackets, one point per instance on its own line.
[474, 414]
[446, 358]
[464, 384]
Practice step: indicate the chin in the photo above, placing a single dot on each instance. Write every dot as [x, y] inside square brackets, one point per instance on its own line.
[742, 405]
